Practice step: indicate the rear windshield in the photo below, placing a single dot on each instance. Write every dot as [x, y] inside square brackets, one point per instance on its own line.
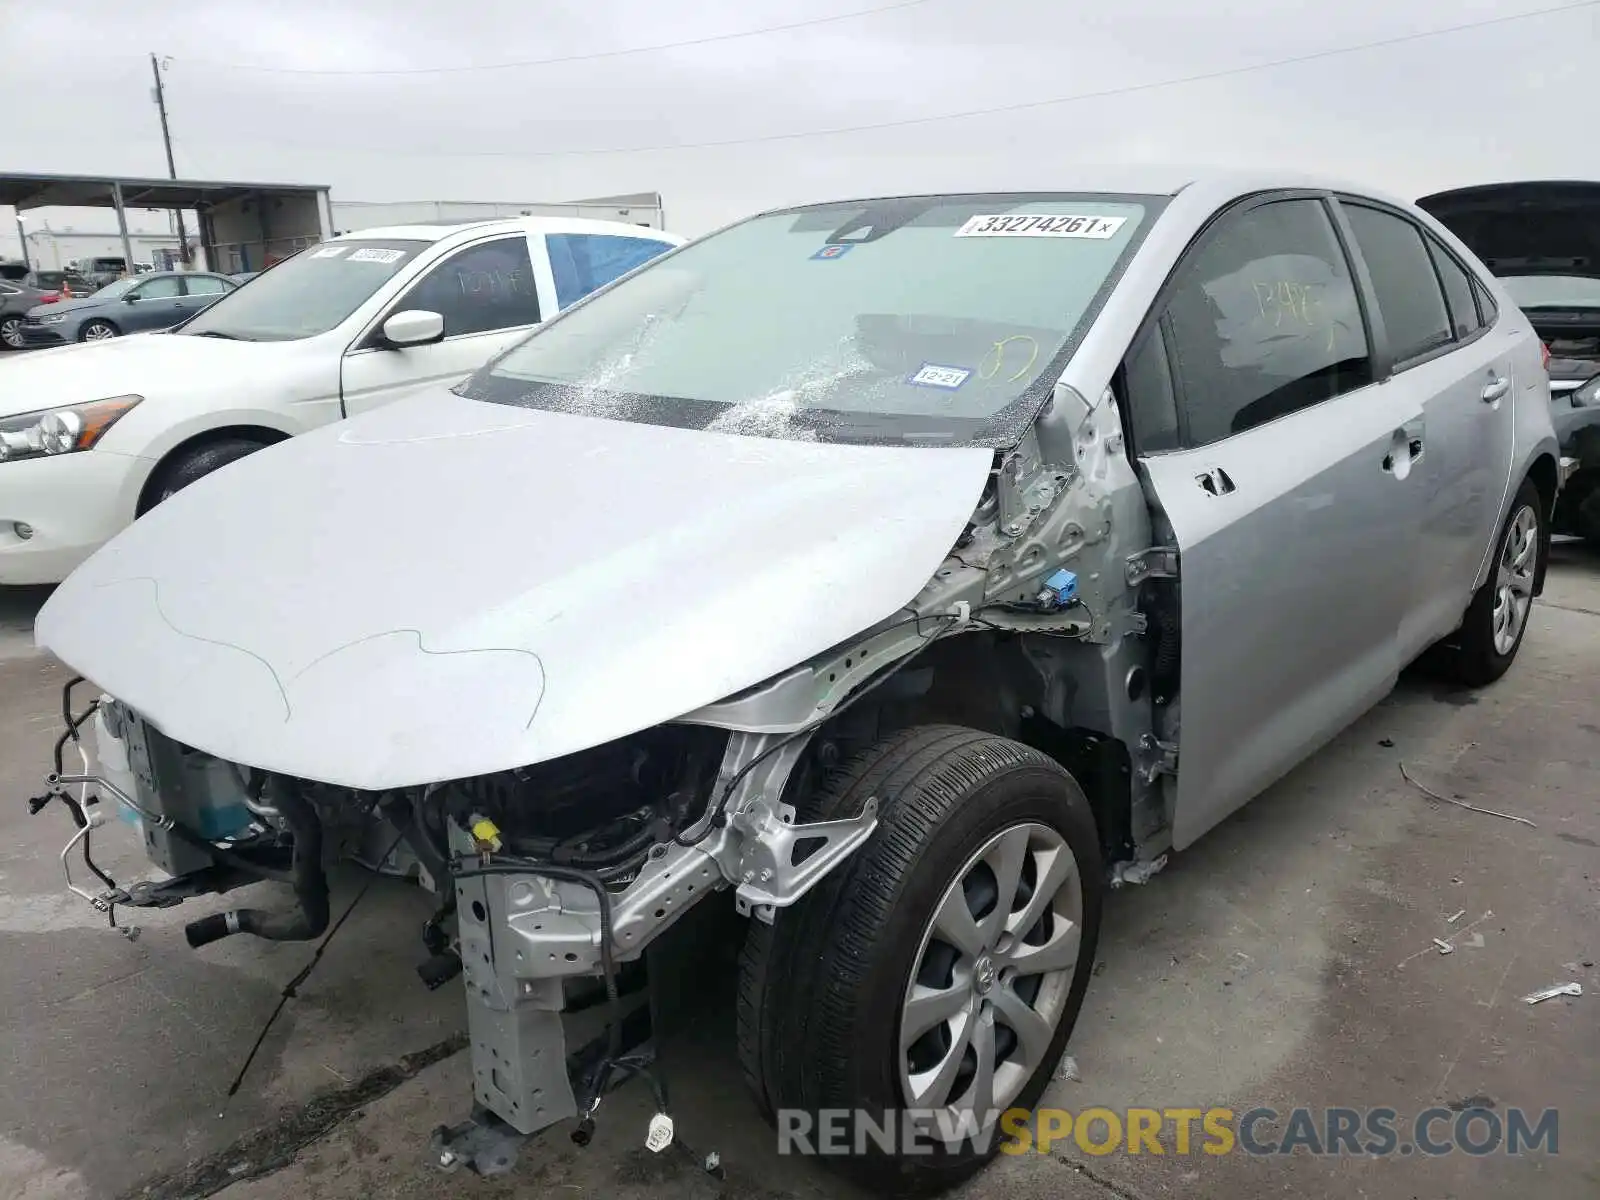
[307, 294]
[929, 317]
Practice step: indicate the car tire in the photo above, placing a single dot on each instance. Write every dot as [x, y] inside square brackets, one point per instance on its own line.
[11, 332]
[823, 989]
[98, 330]
[1485, 646]
[173, 476]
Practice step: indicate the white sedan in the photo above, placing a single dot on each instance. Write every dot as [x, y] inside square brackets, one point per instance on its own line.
[93, 435]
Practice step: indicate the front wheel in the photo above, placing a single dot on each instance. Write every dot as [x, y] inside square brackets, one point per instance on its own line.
[930, 984]
[11, 332]
[97, 331]
[1496, 620]
[179, 472]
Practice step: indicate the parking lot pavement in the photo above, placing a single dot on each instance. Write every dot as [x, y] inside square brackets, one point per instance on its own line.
[1286, 960]
[17, 606]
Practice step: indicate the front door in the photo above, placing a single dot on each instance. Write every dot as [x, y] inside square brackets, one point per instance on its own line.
[488, 297]
[155, 304]
[1460, 371]
[1289, 480]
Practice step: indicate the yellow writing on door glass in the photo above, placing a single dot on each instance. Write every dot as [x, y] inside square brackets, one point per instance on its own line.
[1285, 302]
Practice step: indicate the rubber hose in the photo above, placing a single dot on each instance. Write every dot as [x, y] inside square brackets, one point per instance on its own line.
[310, 887]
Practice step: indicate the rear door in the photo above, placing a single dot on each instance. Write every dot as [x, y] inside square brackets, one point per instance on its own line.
[202, 291]
[155, 304]
[1285, 475]
[488, 297]
[1460, 372]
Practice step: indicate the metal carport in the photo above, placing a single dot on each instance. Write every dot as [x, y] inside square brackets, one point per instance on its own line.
[243, 226]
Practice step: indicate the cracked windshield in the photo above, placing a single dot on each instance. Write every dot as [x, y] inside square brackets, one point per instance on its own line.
[927, 318]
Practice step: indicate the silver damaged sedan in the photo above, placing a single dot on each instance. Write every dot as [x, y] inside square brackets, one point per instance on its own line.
[888, 577]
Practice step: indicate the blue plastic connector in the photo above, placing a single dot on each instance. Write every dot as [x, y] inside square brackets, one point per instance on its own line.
[1060, 589]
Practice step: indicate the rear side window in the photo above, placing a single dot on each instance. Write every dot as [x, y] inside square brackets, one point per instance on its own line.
[205, 285]
[1487, 308]
[1457, 292]
[585, 262]
[1403, 281]
[1264, 321]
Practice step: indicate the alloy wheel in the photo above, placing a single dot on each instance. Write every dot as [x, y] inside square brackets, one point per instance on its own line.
[991, 976]
[1513, 595]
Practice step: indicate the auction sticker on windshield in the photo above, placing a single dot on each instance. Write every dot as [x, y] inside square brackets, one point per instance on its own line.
[1042, 225]
[374, 254]
[328, 252]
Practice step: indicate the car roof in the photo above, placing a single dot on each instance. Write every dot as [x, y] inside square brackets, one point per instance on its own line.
[439, 231]
[1142, 179]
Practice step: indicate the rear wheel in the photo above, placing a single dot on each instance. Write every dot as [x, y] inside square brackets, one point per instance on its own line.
[1497, 619]
[11, 332]
[935, 977]
[97, 331]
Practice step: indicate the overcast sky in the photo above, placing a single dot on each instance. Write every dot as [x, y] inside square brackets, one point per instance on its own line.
[1501, 101]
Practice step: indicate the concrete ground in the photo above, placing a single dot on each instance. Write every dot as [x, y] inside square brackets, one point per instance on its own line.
[1285, 960]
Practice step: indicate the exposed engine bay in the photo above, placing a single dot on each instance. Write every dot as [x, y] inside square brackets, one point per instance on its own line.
[555, 879]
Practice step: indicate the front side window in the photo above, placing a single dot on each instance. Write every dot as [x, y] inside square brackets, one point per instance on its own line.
[160, 289]
[938, 317]
[1264, 321]
[1151, 395]
[308, 294]
[1403, 281]
[120, 287]
[585, 262]
[479, 289]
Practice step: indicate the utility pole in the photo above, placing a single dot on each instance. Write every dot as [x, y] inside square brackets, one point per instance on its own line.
[172, 167]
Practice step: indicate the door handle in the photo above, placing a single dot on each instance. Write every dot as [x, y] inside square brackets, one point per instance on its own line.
[1413, 431]
[1214, 482]
[1496, 389]
[1409, 435]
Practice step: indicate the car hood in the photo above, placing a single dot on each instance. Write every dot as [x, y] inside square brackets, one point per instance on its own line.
[445, 587]
[1527, 228]
[77, 304]
[142, 364]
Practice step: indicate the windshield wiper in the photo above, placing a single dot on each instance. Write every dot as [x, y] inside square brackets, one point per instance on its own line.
[217, 333]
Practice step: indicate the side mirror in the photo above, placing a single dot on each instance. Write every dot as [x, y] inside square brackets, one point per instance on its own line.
[130, 298]
[414, 327]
